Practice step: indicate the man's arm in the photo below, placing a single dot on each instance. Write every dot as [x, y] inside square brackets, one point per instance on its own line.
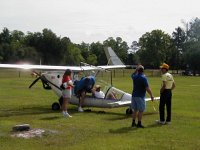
[163, 86]
[136, 71]
[150, 93]
[173, 86]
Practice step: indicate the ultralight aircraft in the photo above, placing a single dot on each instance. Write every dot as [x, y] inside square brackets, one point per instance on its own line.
[52, 78]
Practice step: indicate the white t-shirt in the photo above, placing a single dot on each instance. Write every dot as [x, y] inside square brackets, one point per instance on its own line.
[99, 94]
[168, 78]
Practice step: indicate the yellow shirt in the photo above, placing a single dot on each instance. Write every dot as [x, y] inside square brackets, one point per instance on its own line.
[168, 78]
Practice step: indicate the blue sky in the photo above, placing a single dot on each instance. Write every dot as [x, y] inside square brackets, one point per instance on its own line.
[96, 20]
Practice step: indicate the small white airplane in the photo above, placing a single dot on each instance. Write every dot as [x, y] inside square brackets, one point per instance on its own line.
[52, 79]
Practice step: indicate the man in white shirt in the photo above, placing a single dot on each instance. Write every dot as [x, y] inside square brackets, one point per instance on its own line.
[98, 93]
[168, 85]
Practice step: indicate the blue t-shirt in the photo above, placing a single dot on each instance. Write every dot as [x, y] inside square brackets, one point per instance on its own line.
[139, 85]
[85, 84]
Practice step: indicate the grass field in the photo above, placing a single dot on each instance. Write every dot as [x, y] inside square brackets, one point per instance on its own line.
[94, 130]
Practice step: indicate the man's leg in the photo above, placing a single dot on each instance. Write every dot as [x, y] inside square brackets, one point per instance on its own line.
[168, 105]
[134, 115]
[81, 101]
[141, 106]
[139, 125]
[134, 111]
[140, 113]
[162, 108]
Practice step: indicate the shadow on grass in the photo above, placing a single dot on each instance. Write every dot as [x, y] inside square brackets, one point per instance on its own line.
[25, 111]
[90, 111]
[122, 130]
[50, 118]
[125, 116]
[130, 129]
[150, 113]
[37, 110]
[154, 125]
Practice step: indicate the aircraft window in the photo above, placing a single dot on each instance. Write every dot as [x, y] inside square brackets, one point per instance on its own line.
[118, 93]
[58, 76]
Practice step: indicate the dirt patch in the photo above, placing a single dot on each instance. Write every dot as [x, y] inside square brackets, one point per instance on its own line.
[29, 134]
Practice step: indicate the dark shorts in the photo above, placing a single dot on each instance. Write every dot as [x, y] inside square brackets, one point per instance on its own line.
[79, 92]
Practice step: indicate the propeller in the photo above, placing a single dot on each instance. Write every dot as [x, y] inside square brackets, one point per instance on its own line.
[36, 80]
[45, 82]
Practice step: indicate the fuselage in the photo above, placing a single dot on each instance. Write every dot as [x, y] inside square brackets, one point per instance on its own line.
[56, 78]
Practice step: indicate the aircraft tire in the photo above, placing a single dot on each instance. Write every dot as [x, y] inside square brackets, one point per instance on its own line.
[55, 106]
[128, 111]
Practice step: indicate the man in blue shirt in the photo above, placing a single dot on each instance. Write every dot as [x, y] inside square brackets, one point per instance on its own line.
[140, 86]
[84, 85]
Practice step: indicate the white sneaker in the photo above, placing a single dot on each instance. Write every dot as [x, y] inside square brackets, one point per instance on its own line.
[65, 114]
[80, 109]
[68, 115]
[167, 122]
[160, 122]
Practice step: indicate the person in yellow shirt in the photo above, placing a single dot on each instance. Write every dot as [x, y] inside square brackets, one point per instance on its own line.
[167, 86]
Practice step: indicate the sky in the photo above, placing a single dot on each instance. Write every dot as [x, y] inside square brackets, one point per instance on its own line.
[96, 20]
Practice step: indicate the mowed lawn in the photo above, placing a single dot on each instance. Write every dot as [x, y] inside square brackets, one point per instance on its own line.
[94, 130]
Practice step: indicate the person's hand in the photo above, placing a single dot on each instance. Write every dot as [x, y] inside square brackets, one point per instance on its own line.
[152, 98]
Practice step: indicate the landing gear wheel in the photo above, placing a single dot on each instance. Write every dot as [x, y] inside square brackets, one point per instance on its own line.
[55, 106]
[128, 111]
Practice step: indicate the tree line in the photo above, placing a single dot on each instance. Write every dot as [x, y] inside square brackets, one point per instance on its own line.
[181, 49]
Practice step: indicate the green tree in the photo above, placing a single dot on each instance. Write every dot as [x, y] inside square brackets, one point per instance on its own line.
[5, 47]
[5, 36]
[92, 59]
[133, 59]
[179, 39]
[17, 46]
[85, 50]
[73, 55]
[48, 45]
[155, 48]
[98, 50]
[193, 30]
[191, 50]
[192, 56]
[5, 53]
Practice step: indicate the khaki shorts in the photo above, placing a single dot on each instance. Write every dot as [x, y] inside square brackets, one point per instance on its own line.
[67, 93]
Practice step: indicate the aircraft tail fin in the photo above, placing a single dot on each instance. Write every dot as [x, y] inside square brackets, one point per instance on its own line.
[112, 58]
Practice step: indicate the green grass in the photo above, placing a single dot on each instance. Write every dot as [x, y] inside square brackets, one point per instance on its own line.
[93, 130]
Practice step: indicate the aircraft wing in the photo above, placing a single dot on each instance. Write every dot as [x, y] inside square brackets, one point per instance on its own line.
[40, 67]
[49, 67]
[128, 103]
[114, 60]
[112, 66]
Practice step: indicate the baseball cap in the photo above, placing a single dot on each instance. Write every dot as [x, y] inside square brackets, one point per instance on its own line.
[97, 86]
[140, 67]
[164, 66]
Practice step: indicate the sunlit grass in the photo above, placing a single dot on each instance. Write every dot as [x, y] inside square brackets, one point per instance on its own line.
[94, 130]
